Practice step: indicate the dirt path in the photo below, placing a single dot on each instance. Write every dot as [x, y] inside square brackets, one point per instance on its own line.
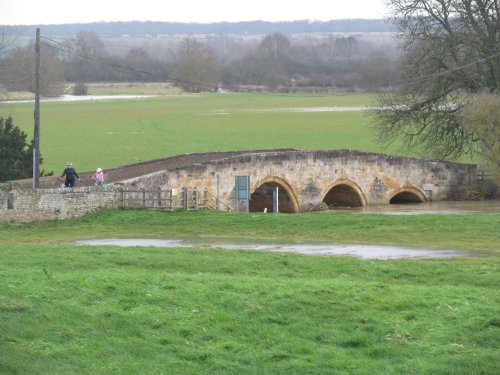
[140, 169]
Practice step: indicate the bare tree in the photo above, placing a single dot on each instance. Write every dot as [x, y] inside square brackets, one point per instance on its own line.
[451, 50]
[196, 67]
[88, 43]
[273, 54]
[5, 43]
[87, 51]
[19, 74]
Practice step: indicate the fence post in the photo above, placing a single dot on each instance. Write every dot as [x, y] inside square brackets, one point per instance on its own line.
[205, 198]
[217, 198]
[122, 192]
[276, 200]
[195, 198]
[171, 199]
[185, 198]
[143, 197]
[158, 196]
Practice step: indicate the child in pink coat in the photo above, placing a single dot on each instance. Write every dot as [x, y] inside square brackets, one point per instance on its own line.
[98, 177]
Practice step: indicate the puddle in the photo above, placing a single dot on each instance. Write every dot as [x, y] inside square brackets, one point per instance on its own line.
[361, 251]
[82, 98]
[428, 208]
[292, 110]
[323, 109]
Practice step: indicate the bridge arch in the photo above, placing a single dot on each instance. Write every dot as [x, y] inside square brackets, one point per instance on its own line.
[407, 194]
[262, 195]
[344, 193]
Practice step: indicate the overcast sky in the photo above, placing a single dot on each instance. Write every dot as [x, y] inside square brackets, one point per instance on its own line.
[44, 12]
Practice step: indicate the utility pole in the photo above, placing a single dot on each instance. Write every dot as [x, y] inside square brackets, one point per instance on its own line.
[36, 136]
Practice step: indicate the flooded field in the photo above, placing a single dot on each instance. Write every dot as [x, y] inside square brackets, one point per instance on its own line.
[82, 98]
[315, 109]
[361, 251]
[427, 208]
[319, 248]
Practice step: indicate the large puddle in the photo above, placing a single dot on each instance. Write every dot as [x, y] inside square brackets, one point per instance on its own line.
[361, 251]
[316, 109]
[292, 110]
[447, 207]
[82, 98]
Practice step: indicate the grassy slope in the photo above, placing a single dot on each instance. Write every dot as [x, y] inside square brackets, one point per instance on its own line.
[114, 133]
[83, 310]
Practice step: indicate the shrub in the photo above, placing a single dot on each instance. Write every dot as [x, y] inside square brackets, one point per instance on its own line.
[80, 89]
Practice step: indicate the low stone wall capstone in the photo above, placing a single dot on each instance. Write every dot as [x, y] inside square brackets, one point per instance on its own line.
[50, 204]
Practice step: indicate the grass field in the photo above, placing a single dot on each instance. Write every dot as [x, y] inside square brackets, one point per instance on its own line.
[108, 310]
[67, 309]
[113, 133]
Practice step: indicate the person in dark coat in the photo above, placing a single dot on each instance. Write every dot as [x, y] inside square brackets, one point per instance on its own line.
[70, 174]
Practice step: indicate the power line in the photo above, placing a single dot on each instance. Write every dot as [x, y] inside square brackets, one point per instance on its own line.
[71, 51]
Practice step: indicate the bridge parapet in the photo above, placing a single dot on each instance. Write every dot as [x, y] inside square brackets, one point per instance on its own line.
[311, 179]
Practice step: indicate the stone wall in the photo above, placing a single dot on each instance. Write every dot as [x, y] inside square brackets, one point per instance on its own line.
[50, 204]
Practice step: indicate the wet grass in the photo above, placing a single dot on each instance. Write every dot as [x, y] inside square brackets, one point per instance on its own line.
[113, 133]
[473, 232]
[82, 310]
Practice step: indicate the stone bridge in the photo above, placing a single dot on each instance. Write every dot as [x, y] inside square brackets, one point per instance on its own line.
[310, 180]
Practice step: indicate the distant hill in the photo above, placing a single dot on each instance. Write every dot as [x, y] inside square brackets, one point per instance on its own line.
[153, 29]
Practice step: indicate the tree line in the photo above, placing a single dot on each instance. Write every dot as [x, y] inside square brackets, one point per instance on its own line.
[274, 62]
[140, 29]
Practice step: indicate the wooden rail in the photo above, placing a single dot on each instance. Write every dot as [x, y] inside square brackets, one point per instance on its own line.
[169, 199]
